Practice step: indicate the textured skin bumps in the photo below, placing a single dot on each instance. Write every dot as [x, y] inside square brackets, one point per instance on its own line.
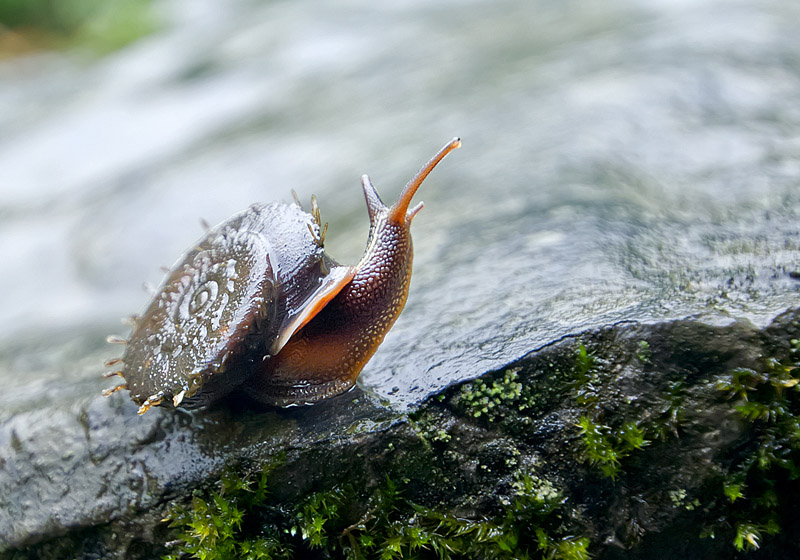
[326, 356]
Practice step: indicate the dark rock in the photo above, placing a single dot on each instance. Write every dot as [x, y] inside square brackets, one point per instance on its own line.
[629, 174]
[458, 452]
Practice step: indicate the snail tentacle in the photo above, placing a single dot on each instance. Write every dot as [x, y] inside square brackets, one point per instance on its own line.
[109, 392]
[297, 199]
[397, 213]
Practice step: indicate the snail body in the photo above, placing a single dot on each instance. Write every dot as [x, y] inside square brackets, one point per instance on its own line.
[258, 306]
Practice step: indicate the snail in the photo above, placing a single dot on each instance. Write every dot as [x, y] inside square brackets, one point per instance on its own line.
[258, 306]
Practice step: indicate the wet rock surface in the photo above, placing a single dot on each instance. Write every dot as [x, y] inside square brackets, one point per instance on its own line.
[461, 452]
[624, 167]
[103, 463]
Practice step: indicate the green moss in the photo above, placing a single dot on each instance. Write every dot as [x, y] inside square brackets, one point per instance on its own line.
[430, 426]
[679, 500]
[220, 525]
[315, 515]
[670, 415]
[605, 447]
[625, 421]
[760, 485]
[480, 398]
[215, 525]
[602, 445]
[584, 361]
[586, 381]
[513, 398]
[643, 352]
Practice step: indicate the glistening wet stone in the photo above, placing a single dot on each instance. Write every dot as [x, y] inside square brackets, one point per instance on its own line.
[621, 162]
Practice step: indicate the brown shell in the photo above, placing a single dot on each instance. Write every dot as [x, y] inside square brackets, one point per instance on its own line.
[223, 306]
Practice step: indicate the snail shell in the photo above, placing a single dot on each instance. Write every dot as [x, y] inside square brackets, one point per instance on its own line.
[220, 304]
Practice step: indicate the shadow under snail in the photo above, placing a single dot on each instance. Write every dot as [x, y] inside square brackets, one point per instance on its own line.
[258, 306]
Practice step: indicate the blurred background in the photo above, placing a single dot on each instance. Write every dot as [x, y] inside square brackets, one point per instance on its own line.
[629, 159]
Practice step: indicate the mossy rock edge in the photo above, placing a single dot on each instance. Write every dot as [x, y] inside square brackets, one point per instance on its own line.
[677, 439]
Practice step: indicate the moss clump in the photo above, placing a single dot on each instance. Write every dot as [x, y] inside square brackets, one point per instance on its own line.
[513, 398]
[679, 499]
[643, 352]
[612, 428]
[239, 521]
[602, 445]
[605, 448]
[482, 398]
[760, 486]
[218, 525]
[431, 426]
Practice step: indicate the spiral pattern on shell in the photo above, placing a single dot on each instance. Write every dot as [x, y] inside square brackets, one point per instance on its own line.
[201, 315]
[218, 305]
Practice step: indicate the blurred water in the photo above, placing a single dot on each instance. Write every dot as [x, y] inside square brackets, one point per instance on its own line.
[622, 160]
